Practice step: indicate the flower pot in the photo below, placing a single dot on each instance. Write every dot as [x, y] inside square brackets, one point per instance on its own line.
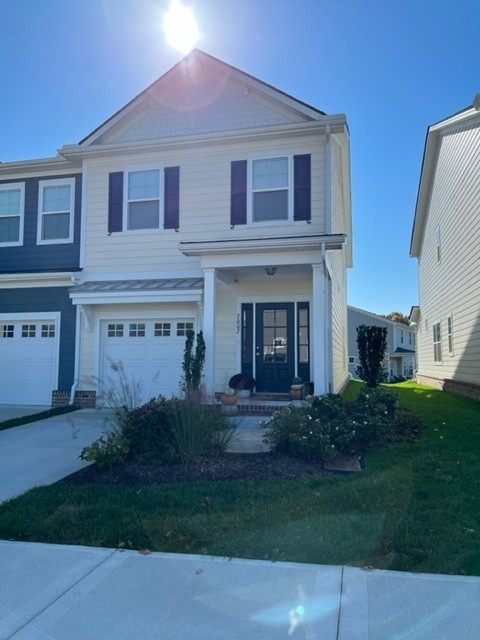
[243, 393]
[229, 409]
[229, 398]
[296, 392]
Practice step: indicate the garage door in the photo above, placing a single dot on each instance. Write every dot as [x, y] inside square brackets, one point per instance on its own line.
[150, 353]
[28, 369]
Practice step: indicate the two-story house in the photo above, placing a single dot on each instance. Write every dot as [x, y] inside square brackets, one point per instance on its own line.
[400, 360]
[211, 201]
[445, 240]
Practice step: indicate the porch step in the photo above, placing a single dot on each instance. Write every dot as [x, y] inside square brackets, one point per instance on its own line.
[261, 404]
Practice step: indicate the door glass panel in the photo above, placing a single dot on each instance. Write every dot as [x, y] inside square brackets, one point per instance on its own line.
[275, 335]
[303, 331]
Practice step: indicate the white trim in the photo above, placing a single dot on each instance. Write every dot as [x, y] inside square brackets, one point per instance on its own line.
[131, 168]
[270, 155]
[52, 182]
[41, 316]
[136, 297]
[83, 216]
[10, 186]
[39, 279]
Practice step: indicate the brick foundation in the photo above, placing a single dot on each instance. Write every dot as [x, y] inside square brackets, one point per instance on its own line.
[453, 386]
[83, 399]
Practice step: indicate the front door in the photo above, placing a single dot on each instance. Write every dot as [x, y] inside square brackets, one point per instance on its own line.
[275, 348]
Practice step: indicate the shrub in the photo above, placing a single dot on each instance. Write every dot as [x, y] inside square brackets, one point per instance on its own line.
[373, 414]
[317, 430]
[372, 344]
[407, 425]
[107, 451]
[148, 429]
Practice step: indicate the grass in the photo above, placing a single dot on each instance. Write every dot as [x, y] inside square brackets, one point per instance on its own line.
[35, 417]
[415, 506]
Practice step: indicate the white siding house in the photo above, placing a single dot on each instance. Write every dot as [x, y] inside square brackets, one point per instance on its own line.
[446, 240]
[215, 202]
[399, 361]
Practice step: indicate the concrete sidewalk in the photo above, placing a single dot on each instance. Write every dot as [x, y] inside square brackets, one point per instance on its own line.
[78, 593]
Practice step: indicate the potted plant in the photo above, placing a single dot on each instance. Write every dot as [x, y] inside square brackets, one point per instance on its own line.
[296, 389]
[229, 402]
[243, 384]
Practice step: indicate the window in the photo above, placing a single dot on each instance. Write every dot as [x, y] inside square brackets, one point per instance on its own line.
[401, 336]
[136, 330]
[183, 327]
[437, 343]
[115, 330]
[55, 211]
[8, 331]
[12, 199]
[162, 329]
[438, 243]
[450, 334]
[28, 330]
[351, 359]
[143, 200]
[270, 189]
[48, 330]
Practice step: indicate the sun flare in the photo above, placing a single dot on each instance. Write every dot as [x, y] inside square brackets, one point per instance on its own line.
[180, 27]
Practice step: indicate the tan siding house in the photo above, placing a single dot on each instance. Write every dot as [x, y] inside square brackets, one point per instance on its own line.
[446, 240]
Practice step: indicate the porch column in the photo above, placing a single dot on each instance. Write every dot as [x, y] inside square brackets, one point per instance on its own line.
[318, 325]
[209, 295]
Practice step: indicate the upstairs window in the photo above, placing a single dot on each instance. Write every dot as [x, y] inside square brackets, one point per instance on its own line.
[12, 198]
[143, 200]
[437, 342]
[450, 334]
[270, 189]
[55, 211]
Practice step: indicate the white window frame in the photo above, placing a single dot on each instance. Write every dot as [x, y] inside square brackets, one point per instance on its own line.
[56, 182]
[144, 167]
[290, 185]
[437, 343]
[450, 335]
[9, 187]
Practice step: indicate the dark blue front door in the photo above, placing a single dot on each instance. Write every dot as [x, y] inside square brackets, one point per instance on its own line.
[274, 348]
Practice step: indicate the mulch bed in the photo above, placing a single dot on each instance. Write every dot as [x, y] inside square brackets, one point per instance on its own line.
[231, 466]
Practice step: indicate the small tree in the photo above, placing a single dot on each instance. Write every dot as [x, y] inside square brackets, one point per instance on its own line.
[193, 362]
[372, 344]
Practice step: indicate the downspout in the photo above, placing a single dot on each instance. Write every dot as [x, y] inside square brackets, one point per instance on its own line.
[328, 322]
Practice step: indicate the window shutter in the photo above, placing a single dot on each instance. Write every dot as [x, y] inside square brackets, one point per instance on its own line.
[172, 198]
[238, 200]
[115, 201]
[302, 188]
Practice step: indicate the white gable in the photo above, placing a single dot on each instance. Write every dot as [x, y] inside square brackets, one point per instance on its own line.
[201, 95]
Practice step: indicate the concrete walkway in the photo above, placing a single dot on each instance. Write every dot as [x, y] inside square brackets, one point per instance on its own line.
[78, 593]
[53, 592]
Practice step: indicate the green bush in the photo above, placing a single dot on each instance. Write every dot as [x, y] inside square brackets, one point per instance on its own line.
[148, 429]
[107, 451]
[316, 430]
[373, 416]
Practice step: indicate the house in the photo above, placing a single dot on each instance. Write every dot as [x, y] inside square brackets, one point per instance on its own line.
[399, 361]
[212, 201]
[445, 240]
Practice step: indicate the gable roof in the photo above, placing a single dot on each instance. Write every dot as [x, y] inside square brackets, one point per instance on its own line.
[185, 72]
[434, 133]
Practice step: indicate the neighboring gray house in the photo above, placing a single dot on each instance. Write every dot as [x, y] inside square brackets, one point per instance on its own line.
[400, 354]
[446, 239]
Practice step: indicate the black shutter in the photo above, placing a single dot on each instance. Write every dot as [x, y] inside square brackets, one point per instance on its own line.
[172, 198]
[238, 200]
[115, 201]
[302, 188]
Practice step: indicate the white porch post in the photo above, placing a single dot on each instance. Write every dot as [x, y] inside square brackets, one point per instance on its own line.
[209, 294]
[318, 325]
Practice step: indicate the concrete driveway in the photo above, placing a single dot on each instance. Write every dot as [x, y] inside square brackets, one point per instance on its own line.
[43, 452]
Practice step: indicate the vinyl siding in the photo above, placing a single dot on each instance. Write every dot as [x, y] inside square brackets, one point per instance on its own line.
[32, 257]
[204, 206]
[452, 285]
[40, 299]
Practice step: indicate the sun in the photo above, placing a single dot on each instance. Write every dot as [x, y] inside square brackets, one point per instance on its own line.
[180, 27]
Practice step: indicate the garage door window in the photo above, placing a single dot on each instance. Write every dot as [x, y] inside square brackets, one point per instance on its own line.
[48, 330]
[28, 330]
[162, 329]
[8, 330]
[115, 331]
[183, 327]
[136, 330]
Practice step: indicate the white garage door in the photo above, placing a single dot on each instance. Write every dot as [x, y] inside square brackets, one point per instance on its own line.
[28, 363]
[150, 353]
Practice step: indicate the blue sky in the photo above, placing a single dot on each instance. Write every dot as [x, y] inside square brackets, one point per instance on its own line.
[392, 68]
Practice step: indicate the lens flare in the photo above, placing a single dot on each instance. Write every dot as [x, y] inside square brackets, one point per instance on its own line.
[180, 27]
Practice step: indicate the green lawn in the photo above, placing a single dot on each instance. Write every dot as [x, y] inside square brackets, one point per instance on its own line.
[415, 506]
